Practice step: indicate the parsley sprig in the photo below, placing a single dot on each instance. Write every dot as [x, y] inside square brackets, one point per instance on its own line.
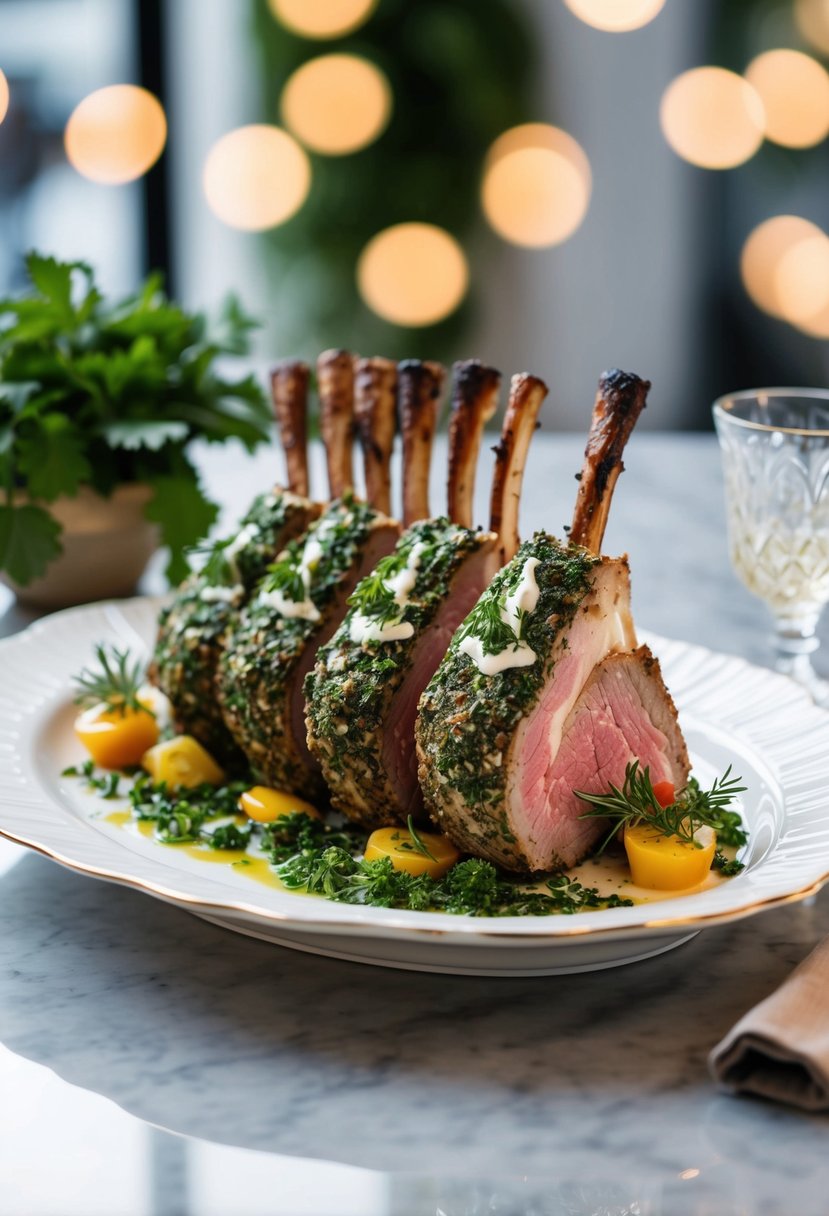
[115, 684]
[694, 808]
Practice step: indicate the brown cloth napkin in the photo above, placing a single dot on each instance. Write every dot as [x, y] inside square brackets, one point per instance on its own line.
[780, 1049]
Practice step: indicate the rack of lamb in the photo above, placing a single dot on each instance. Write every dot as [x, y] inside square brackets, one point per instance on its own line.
[362, 695]
[544, 690]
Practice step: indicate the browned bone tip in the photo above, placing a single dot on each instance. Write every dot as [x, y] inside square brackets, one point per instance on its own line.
[526, 397]
[419, 386]
[335, 384]
[289, 393]
[474, 401]
[619, 402]
[375, 407]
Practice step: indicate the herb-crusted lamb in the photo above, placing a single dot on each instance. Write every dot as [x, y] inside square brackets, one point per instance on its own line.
[543, 690]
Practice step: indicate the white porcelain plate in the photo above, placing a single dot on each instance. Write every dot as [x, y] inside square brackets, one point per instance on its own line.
[731, 713]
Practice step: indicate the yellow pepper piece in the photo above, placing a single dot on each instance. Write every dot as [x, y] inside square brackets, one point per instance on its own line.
[667, 863]
[402, 852]
[265, 805]
[116, 738]
[182, 762]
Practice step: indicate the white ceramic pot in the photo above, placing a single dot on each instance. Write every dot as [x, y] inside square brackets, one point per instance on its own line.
[107, 543]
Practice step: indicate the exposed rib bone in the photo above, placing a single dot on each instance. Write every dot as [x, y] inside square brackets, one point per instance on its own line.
[419, 387]
[335, 382]
[375, 407]
[619, 402]
[289, 393]
[525, 399]
[474, 401]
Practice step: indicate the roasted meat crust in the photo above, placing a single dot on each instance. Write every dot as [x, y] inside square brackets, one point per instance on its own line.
[335, 384]
[474, 400]
[619, 402]
[419, 387]
[289, 393]
[375, 410]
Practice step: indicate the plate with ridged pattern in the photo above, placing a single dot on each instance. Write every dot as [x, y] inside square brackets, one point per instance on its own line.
[731, 712]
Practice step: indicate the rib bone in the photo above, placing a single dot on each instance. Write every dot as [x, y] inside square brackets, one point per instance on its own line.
[525, 399]
[289, 393]
[474, 401]
[335, 380]
[419, 387]
[375, 406]
[619, 402]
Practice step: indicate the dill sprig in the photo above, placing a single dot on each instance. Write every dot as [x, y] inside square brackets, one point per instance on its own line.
[285, 575]
[217, 569]
[373, 597]
[486, 623]
[694, 808]
[415, 841]
[115, 684]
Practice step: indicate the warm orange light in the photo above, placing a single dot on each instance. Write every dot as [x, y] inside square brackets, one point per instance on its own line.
[322, 18]
[712, 118]
[4, 96]
[536, 187]
[116, 134]
[812, 17]
[763, 253]
[616, 15]
[817, 326]
[413, 274]
[337, 103]
[256, 177]
[801, 279]
[794, 90]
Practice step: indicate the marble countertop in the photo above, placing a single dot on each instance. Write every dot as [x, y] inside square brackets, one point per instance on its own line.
[151, 1064]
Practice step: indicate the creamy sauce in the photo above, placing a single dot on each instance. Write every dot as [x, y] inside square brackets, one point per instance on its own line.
[305, 609]
[524, 599]
[401, 585]
[220, 595]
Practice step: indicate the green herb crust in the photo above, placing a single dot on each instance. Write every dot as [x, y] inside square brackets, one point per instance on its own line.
[466, 719]
[263, 648]
[353, 683]
[192, 628]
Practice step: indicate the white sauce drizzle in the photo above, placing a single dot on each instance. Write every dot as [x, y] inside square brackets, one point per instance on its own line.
[220, 595]
[312, 552]
[401, 585]
[524, 599]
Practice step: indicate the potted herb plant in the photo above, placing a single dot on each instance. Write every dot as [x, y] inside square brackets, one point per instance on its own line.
[99, 404]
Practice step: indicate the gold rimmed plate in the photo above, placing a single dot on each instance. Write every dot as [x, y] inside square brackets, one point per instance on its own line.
[732, 713]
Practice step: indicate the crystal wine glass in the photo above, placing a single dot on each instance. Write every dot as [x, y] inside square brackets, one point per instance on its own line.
[775, 450]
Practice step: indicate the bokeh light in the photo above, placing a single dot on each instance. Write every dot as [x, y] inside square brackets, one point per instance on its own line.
[616, 15]
[712, 118]
[4, 96]
[794, 90]
[536, 186]
[763, 252]
[336, 104]
[801, 279]
[812, 17]
[256, 177]
[322, 18]
[116, 134]
[413, 274]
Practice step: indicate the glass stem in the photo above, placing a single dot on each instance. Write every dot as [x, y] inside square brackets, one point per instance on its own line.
[794, 643]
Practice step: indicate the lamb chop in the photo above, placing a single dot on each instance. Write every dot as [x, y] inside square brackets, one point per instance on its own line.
[363, 693]
[192, 627]
[544, 690]
[301, 601]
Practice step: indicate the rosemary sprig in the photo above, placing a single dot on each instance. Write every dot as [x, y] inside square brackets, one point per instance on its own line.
[694, 808]
[115, 684]
[415, 841]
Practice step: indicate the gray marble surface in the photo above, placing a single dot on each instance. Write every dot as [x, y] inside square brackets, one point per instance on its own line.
[249, 1079]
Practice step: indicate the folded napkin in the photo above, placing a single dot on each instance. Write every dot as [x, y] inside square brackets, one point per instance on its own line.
[780, 1049]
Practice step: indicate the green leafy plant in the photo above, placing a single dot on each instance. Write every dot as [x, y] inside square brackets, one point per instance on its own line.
[99, 394]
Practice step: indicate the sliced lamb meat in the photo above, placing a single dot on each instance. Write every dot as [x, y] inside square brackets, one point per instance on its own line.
[506, 720]
[301, 601]
[362, 697]
[192, 627]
